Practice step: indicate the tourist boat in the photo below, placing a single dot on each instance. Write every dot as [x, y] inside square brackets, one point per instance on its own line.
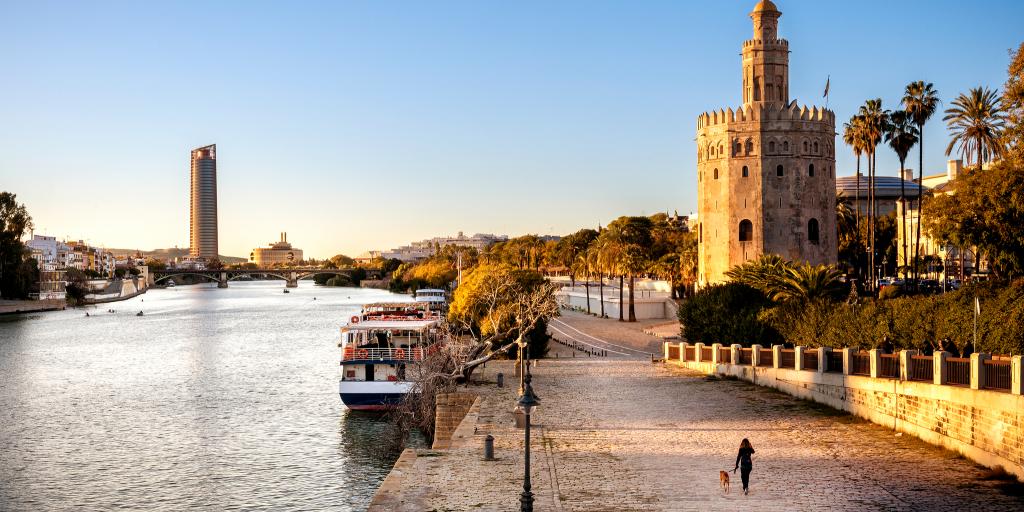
[377, 348]
[437, 299]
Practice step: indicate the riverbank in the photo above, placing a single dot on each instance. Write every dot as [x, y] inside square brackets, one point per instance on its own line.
[631, 435]
[12, 307]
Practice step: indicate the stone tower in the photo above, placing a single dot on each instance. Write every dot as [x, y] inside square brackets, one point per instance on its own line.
[766, 171]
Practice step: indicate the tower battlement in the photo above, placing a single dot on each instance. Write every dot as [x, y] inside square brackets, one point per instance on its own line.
[766, 112]
[773, 44]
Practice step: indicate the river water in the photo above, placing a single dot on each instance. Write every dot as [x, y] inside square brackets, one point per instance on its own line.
[213, 400]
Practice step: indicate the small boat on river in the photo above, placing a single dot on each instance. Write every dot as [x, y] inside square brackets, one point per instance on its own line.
[377, 348]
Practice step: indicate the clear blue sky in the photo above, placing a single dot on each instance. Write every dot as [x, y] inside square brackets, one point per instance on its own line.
[359, 125]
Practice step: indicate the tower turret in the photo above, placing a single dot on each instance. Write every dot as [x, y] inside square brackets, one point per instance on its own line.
[766, 59]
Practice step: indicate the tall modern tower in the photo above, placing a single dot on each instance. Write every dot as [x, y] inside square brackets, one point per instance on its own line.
[203, 212]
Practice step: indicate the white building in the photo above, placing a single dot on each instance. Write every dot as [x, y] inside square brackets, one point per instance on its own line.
[426, 248]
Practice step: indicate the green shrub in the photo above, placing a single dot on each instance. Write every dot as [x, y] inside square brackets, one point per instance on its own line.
[727, 313]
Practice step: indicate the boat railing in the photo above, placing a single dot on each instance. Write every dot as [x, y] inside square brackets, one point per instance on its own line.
[381, 354]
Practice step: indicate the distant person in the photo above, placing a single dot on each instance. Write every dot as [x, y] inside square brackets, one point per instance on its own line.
[744, 463]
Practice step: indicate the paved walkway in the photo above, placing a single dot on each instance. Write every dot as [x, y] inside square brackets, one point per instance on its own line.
[620, 435]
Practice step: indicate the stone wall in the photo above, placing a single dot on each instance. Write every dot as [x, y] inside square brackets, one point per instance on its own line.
[451, 409]
[983, 425]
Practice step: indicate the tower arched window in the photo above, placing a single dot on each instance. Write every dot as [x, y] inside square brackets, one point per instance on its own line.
[810, 170]
[721, 150]
[785, 146]
[716, 173]
[812, 231]
[805, 146]
[746, 230]
[750, 146]
[746, 172]
[771, 147]
[779, 171]
[815, 147]
[739, 149]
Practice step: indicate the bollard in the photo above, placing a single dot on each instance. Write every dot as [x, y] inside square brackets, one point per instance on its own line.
[501, 380]
[489, 447]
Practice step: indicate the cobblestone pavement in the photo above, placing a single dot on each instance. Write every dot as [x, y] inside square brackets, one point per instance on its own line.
[621, 435]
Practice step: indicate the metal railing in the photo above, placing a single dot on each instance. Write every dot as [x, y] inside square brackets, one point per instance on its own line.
[690, 354]
[705, 354]
[766, 357]
[997, 374]
[834, 362]
[810, 360]
[746, 356]
[889, 366]
[787, 359]
[958, 371]
[922, 368]
[860, 363]
[673, 352]
[381, 354]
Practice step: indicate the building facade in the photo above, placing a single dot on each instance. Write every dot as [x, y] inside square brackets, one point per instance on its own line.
[279, 253]
[766, 171]
[426, 248]
[203, 203]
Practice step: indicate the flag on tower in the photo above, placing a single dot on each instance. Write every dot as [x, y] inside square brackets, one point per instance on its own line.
[827, 83]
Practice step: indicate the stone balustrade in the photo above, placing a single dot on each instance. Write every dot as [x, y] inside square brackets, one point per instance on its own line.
[973, 406]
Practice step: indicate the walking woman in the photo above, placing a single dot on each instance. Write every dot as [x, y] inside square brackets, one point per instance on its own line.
[744, 463]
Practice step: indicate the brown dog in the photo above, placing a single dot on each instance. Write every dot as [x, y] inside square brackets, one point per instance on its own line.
[723, 478]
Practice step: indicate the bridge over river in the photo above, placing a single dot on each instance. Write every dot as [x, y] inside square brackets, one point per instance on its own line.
[291, 276]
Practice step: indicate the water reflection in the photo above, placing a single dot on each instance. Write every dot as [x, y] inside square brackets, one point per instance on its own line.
[214, 399]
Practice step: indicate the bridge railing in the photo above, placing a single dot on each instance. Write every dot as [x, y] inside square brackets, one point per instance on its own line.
[352, 354]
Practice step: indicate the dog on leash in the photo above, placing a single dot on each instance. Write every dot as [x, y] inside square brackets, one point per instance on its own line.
[723, 479]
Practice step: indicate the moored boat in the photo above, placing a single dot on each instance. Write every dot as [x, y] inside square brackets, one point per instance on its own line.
[377, 348]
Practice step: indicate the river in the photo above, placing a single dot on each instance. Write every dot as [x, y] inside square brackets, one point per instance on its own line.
[215, 399]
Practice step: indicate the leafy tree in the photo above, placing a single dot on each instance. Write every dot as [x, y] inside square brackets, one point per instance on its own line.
[16, 275]
[901, 134]
[342, 261]
[727, 313]
[570, 246]
[920, 100]
[976, 121]
[156, 264]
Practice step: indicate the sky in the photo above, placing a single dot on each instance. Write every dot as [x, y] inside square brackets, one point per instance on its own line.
[365, 125]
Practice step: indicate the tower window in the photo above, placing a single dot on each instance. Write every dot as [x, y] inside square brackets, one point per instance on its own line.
[785, 146]
[815, 147]
[739, 148]
[746, 172]
[750, 147]
[810, 170]
[771, 146]
[716, 173]
[746, 230]
[779, 171]
[805, 146]
[812, 231]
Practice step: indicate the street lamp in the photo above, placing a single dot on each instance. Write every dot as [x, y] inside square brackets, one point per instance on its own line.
[527, 403]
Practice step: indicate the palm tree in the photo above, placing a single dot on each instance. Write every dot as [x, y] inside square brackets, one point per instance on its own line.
[875, 119]
[920, 100]
[581, 266]
[976, 120]
[805, 283]
[611, 260]
[594, 264]
[854, 135]
[761, 273]
[901, 135]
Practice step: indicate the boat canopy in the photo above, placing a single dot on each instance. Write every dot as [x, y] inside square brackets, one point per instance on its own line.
[407, 325]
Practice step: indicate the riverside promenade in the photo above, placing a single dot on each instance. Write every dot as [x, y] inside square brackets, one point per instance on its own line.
[623, 434]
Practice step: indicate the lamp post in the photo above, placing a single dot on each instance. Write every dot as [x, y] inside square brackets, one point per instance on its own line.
[527, 404]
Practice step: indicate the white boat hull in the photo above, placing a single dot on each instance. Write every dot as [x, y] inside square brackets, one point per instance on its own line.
[372, 395]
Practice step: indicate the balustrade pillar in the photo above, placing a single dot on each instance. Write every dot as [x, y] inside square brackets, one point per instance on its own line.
[737, 349]
[848, 360]
[755, 355]
[978, 369]
[1016, 375]
[875, 356]
[682, 351]
[823, 353]
[716, 353]
[939, 368]
[906, 363]
[664, 346]
[798, 357]
[776, 356]
[698, 352]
